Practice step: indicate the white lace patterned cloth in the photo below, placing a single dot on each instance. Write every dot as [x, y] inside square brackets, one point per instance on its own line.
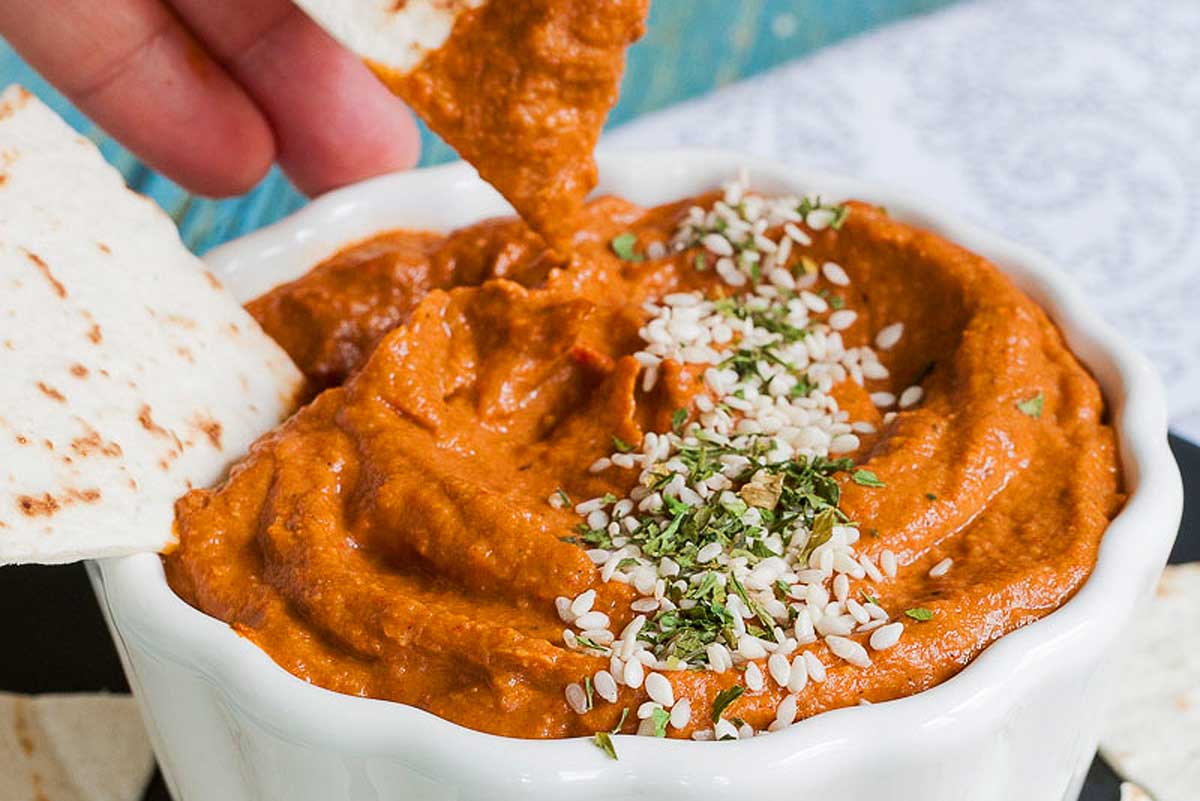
[1072, 126]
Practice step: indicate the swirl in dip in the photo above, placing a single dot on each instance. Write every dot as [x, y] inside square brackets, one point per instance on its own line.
[743, 460]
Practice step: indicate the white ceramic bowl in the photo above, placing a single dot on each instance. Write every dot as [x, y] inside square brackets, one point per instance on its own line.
[1020, 722]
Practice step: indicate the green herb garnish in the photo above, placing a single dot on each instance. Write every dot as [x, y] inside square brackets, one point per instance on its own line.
[678, 418]
[589, 643]
[623, 245]
[621, 445]
[919, 613]
[724, 699]
[604, 742]
[660, 717]
[1033, 406]
[867, 478]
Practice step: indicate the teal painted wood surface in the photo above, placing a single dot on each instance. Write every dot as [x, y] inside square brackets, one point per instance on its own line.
[691, 47]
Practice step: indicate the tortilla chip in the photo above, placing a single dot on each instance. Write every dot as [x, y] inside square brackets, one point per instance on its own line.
[1153, 732]
[72, 748]
[519, 89]
[130, 375]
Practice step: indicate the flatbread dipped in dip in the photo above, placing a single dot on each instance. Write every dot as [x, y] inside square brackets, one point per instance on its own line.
[130, 374]
[519, 89]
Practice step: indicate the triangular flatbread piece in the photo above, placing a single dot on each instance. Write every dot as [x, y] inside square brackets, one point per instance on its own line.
[72, 748]
[130, 374]
[1153, 732]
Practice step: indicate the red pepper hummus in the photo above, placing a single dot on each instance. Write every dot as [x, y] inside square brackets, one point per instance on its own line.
[743, 460]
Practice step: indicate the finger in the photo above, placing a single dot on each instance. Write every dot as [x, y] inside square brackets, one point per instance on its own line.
[134, 69]
[334, 122]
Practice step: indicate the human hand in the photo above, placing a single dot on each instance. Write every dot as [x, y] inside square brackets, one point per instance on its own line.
[211, 92]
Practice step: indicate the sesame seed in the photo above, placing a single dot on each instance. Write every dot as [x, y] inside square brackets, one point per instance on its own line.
[941, 568]
[842, 319]
[887, 561]
[841, 584]
[753, 677]
[886, 636]
[889, 335]
[797, 234]
[785, 713]
[659, 690]
[715, 243]
[816, 670]
[849, 650]
[798, 677]
[883, 399]
[634, 674]
[719, 658]
[873, 572]
[587, 507]
[681, 713]
[577, 698]
[645, 605]
[835, 274]
[606, 686]
[911, 397]
[779, 668]
[633, 628]
[592, 620]
[844, 443]
[563, 606]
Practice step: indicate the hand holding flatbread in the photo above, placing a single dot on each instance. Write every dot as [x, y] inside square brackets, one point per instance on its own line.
[131, 375]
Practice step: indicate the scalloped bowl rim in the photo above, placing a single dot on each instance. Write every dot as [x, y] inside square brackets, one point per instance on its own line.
[1131, 554]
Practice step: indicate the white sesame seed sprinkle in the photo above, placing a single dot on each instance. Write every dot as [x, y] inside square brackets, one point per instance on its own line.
[770, 357]
[577, 698]
[911, 397]
[816, 670]
[681, 714]
[660, 691]
[886, 636]
[779, 668]
[606, 686]
[889, 336]
[941, 568]
[634, 674]
[848, 650]
[835, 274]
[753, 677]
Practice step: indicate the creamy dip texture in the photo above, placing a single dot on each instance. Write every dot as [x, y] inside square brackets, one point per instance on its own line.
[739, 461]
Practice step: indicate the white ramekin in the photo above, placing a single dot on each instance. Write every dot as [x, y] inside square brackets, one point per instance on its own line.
[1020, 722]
